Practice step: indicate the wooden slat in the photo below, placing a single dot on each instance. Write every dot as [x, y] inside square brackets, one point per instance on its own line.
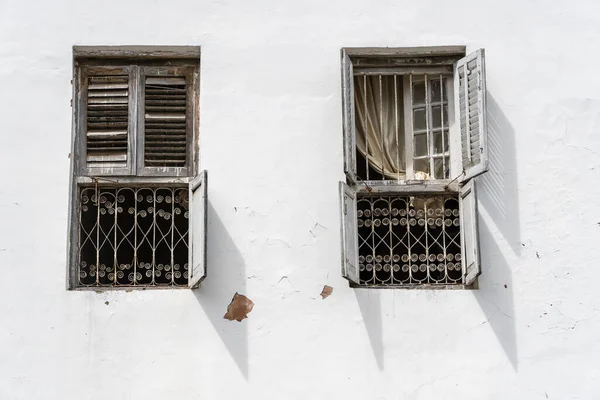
[165, 106]
[107, 120]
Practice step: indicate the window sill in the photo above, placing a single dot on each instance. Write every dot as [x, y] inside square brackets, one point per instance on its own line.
[474, 286]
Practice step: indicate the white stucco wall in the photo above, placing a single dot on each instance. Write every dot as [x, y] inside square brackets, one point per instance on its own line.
[271, 141]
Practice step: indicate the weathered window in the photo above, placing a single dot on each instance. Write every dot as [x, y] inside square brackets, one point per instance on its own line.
[138, 211]
[414, 137]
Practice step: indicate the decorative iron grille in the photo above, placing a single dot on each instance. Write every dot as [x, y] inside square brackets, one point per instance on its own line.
[132, 236]
[409, 240]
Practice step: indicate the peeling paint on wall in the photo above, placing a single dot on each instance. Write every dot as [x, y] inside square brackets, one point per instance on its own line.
[239, 308]
[326, 292]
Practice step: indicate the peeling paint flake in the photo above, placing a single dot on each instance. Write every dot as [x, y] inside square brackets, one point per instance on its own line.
[239, 308]
[326, 292]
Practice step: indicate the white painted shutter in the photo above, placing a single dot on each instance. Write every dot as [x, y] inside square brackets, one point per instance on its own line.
[198, 228]
[469, 233]
[469, 83]
[349, 233]
[348, 113]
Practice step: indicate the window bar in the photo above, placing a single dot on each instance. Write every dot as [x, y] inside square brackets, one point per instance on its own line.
[396, 125]
[444, 238]
[365, 127]
[97, 234]
[408, 245]
[373, 239]
[135, 243]
[442, 124]
[115, 238]
[381, 128]
[426, 231]
[153, 237]
[391, 262]
[172, 236]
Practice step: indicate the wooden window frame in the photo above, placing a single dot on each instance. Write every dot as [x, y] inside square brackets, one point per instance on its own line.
[136, 60]
[417, 61]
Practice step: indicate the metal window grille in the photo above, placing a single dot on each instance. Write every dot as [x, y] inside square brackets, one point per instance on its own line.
[409, 240]
[422, 100]
[130, 236]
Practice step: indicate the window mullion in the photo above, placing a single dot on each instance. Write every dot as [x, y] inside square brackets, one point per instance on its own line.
[408, 127]
[136, 112]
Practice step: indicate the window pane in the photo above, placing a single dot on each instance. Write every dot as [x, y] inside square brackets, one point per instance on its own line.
[419, 93]
[436, 116]
[421, 168]
[421, 145]
[435, 91]
[438, 146]
[419, 119]
[441, 171]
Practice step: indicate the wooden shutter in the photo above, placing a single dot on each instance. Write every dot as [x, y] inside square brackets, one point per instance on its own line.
[106, 120]
[469, 81]
[167, 121]
[198, 228]
[349, 233]
[348, 114]
[469, 233]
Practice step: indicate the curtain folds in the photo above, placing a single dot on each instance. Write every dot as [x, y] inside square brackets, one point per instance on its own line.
[379, 114]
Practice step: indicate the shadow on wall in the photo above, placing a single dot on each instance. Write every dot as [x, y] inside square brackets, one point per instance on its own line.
[498, 188]
[495, 293]
[226, 276]
[499, 229]
[369, 302]
[498, 226]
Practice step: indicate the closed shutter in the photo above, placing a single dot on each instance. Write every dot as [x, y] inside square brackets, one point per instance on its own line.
[167, 121]
[349, 233]
[469, 81]
[108, 104]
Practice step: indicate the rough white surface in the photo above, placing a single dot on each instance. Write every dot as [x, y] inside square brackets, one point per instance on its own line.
[271, 140]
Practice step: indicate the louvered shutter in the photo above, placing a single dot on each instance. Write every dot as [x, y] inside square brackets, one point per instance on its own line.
[469, 81]
[107, 105]
[348, 115]
[166, 120]
[349, 233]
[469, 232]
[198, 228]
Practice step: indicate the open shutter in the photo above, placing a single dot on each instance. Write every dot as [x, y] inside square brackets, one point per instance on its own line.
[348, 113]
[166, 120]
[106, 120]
[349, 233]
[469, 234]
[469, 81]
[198, 225]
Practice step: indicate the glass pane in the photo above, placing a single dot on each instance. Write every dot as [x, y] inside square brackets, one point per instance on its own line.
[436, 89]
[436, 116]
[438, 168]
[421, 145]
[422, 168]
[437, 142]
[419, 93]
[419, 119]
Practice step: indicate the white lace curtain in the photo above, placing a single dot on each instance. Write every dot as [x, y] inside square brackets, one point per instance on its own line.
[380, 123]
